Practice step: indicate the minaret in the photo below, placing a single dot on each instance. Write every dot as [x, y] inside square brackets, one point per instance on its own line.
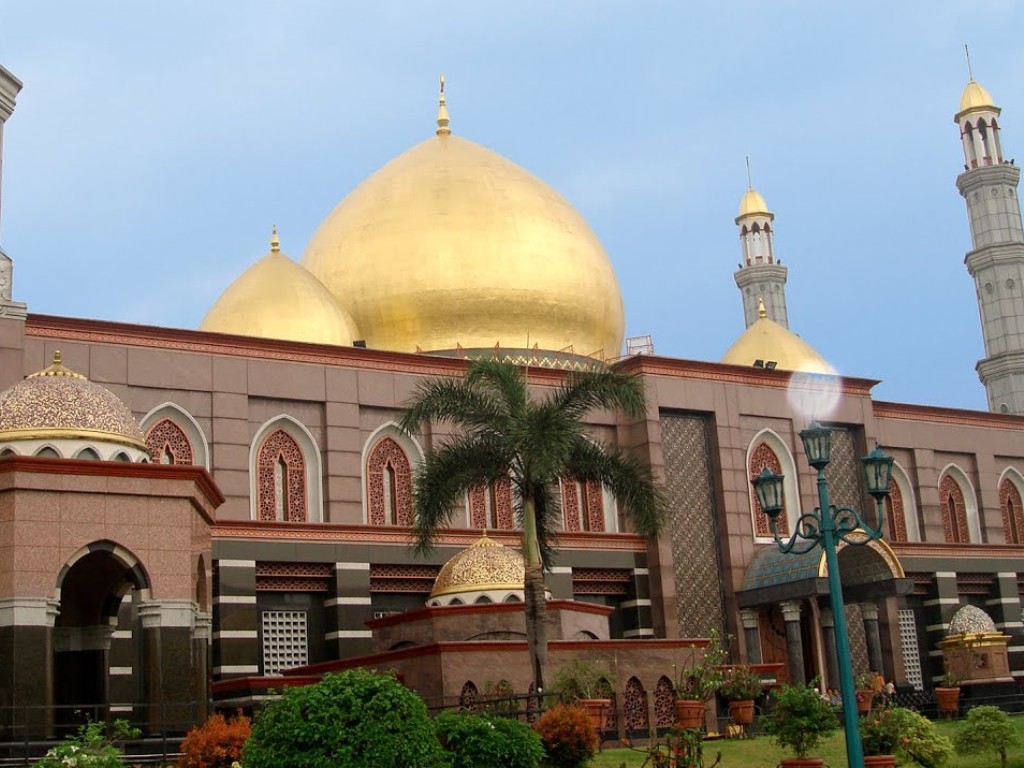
[996, 261]
[760, 277]
[9, 87]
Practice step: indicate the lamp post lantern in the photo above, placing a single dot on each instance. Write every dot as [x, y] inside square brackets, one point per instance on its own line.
[826, 527]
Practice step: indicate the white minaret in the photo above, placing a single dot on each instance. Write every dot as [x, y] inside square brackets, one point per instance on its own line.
[760, 276]
[9, 87]
[996, 261]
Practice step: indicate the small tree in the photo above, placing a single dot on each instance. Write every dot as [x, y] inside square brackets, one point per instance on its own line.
[800, 719]
[986, 729]
[357, 719]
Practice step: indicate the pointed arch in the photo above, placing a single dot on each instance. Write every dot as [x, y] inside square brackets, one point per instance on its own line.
[664, 703]
[958, 502]
[901, 508]
[389, 458]
[48, 451]
[1011, 492]
[768, 451]
[173, 434]
[88, 454]
[285, 473]
[583, 505]
[468, 695]
[135, 571]
[634, 705]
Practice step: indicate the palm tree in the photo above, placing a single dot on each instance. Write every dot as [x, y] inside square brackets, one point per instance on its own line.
[499, 431]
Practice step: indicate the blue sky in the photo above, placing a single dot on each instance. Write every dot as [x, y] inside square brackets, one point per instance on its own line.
[155, 143]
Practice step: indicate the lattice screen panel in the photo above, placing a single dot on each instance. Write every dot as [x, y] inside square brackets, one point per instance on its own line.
[858, 638]
[284, 641]
[911, 649]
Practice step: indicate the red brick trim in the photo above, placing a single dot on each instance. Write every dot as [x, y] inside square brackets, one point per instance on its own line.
[960, 549]
[517, 607]
[910, 412]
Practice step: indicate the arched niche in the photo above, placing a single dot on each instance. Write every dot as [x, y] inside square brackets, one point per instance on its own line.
[791, 487]
[902, 504]
[1011, 505]
[264, 476]
[959, 506]
[182, 426]
[390, 457]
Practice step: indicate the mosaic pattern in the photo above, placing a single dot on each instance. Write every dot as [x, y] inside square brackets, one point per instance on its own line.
[896, 521]
[692, 524]
[634, 706]
[970, 620]
[582, 505]
[491, 507]
[664, 703]
[1013, 511]
[168, 444]
[762, 458]
[63, 403]
[487, 564]
[570, 505]
[954, 510]
[845, 474]
[281, 479]
[604, 691]
[857, 637]
[468, 695]
[389, 484]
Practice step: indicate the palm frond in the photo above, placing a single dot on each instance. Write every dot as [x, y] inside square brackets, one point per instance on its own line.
[504, 379]
[584, 391]
[629, 479]
[455, 401]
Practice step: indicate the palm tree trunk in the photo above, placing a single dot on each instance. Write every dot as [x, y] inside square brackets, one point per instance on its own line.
[533, 597]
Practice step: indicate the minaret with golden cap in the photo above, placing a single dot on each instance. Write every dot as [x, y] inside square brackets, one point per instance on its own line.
[9, 87]
[760, 275]
[988, 184]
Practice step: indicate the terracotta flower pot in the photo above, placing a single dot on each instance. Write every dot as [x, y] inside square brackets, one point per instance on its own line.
[864, 698]
[689, 713]
[948, 700]
[879, 761]
[597, 709]
[802, 762]
[742, 711]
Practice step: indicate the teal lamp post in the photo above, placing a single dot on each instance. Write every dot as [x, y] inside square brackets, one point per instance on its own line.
[826, 527]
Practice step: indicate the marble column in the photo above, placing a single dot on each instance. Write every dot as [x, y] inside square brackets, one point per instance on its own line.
[869, 612]
[751, 634]
[828, 638]
[794, 643]
[26, 674]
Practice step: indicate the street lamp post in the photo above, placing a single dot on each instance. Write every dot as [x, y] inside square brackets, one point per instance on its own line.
[826, 527]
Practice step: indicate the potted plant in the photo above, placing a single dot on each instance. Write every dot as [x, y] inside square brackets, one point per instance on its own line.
[881, 734]
[582, 682]
[947, 695]
[798, 719]
[864, 684]
[740, 686]
[697, 680]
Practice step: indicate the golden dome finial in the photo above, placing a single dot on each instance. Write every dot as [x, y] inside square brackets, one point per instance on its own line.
[761, 311]
[442, 113]
[967, 53]
[275, 243]
[56, 357]
[57, 369]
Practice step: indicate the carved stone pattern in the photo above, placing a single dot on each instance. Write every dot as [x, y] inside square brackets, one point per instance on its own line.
[570, 505]
[634, 706]
[478, 507]
[762, 458]
[478, 517]
[601, 581]
[981, 584]
[601, 574]
[664, 703]
[1010, 496]
[599, 588]
[290, 584]
[845, 474]
[593, 493]
[693, 527]
[897, 522]
[280, 446]
[415, 579]
[605, 691]
[955, 530]
[857, 637]
[166, 437]
[388, 453]
[467, 698]
[311, 570]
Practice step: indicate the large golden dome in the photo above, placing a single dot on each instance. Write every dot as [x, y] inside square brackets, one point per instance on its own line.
[276, 298]
[58, 403]
[484, 566]
[450, 244]
[768, 341]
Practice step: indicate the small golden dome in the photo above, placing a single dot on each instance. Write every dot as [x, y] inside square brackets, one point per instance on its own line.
[276, 298]
[57, 403]
[753, 204]
[450, 244]
[976, 98]
[768, 341]
[484, 565]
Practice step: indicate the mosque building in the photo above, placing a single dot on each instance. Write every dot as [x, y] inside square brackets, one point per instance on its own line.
[193, 512]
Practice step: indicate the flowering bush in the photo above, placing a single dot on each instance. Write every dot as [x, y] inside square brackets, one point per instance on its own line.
[881, 731]
[568, 736]
[217, 743]
[904, 733]
[700, 680]
[93, 746]
[478, 740]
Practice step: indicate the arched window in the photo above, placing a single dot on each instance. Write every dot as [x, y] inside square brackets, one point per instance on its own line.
[895, 520]
[491, 506]
[281, 480]
[1012, 509]
[468, 695]
[168, 444]
[88, 454]
[954, 510]
[388, 484]
[582, 505]
[664, 703]
[47, 452]
[764, 456]
[635, 706]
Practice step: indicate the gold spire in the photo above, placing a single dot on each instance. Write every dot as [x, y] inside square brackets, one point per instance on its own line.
[967, 53]
[57, 369]
[750, 184]
[761, 311]
[275, 244]
[442, 113]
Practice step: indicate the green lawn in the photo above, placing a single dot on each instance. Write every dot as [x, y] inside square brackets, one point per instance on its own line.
[761, 753]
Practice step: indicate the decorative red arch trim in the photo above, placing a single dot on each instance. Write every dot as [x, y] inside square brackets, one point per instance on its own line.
[1013, 511]
[954, 525]
[167, 438]
[281, 447]
[388, 454]
[762, 458]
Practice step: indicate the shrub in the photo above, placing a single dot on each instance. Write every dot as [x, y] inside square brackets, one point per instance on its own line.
[94, 745]
[478, 740]
[741, 683]
[920, 742]
[568, 736]
[799, 719]
[357, 719]
[217, 743]
[580, 679]
[986, 729]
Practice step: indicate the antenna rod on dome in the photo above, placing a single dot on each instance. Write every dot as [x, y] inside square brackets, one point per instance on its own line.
[442, 113]
[967, 53]
[749, 185]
